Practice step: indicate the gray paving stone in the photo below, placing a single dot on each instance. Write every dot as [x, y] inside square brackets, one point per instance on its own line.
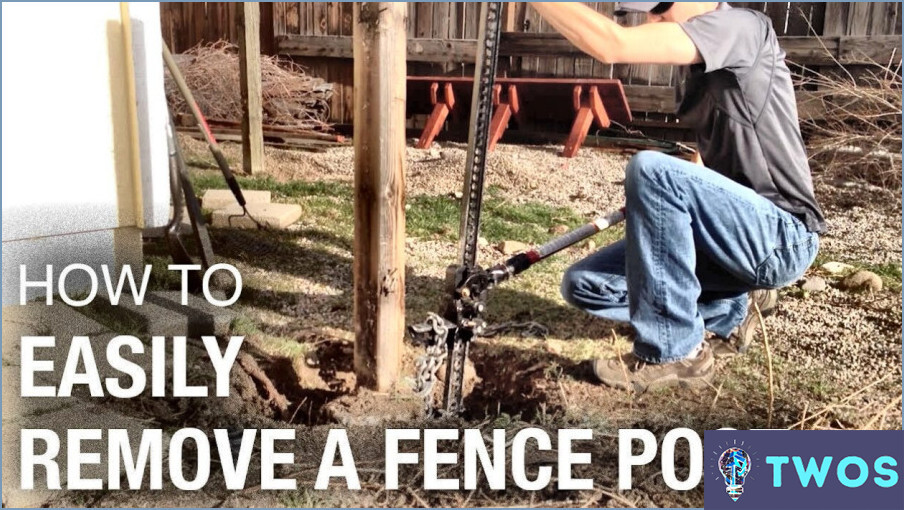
[39, 319]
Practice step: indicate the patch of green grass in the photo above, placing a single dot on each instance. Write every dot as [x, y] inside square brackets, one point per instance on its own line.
[304, 498]
[335, 214]
[161, 277]
[504, 420]
[243, 326]
[819, 388]
[500, 220]
[889, 272]
[429, 215]
[195, 161]
[528, 223]
[330, 204]
[289, 348]
[203, 181]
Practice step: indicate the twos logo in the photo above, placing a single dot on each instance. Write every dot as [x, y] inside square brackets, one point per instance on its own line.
[803, 469]
[734, 463]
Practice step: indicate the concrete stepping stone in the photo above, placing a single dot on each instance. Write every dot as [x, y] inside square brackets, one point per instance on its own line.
[276, 216]
[221, 198]
[38, 319]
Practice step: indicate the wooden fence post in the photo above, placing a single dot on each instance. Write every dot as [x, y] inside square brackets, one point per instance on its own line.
[268, 39]
[379, 137]
[248, 21]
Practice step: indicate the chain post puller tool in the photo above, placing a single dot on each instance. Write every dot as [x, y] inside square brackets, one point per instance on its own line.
[447, 337]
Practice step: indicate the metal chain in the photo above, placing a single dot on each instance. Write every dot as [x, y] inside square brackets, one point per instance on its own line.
[428, 365]
[455, 375]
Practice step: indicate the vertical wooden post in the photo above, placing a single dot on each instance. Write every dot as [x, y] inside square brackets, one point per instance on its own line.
[248, 24]
[509, 16]
[379, 137]
[268, 39]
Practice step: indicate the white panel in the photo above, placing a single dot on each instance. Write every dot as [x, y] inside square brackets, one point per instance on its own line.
[58, 163]
[147, 44]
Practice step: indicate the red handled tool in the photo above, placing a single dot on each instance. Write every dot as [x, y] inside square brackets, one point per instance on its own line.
[205, 131]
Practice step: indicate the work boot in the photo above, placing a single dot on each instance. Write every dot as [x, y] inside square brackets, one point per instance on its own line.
[630, 372]
[744, 335]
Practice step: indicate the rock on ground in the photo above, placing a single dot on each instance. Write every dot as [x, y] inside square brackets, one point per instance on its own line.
[512, 247]
[836, 267]
[814, 284]
[862, 280]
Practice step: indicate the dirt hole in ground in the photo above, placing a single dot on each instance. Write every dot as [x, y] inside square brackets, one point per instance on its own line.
[525, 387]
[319, 387]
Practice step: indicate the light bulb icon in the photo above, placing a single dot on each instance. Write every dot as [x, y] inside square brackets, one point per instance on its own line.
[734, 463]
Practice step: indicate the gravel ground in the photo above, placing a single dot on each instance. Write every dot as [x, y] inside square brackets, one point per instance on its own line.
[864, 222]
[590, 182]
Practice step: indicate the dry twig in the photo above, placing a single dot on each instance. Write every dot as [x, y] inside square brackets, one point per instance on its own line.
[882, 413]
[759, 315]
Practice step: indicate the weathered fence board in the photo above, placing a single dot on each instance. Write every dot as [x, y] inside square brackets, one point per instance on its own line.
[800, 50]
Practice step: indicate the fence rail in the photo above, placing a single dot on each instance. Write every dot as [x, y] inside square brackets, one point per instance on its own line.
[442, 41]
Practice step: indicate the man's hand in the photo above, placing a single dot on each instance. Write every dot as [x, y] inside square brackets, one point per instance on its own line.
[609, 42]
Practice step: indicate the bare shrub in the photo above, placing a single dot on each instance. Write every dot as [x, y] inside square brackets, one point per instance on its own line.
[852, 123]
[290, 96]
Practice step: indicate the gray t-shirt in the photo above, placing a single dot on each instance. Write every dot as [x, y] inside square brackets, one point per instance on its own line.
[740, 101]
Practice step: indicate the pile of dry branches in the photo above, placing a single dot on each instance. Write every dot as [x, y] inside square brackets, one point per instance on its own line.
[290, 97]
[852, 122]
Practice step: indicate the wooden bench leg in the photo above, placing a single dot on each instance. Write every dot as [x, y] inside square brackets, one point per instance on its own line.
[588, 110]
[500, 121]
[441, 109]
[505, 109]
[582, 121]
[600, 115]
[434, 125]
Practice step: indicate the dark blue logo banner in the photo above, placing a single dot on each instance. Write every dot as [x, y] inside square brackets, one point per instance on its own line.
[803, 469]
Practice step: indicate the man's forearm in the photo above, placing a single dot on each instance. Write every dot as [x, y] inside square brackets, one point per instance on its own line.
[592, 32]
[605, 40]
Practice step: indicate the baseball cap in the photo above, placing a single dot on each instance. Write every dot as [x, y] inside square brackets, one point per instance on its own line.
[622, 8]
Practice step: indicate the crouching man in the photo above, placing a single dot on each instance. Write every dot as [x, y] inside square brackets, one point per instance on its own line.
[702, 243]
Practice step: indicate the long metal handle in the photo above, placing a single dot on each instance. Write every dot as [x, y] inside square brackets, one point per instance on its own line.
[522, 261]
[579, 234]
[202, 126]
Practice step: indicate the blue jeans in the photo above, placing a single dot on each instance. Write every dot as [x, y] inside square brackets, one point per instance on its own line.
[695, 244]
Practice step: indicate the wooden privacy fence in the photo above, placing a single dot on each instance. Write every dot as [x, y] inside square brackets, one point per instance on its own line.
[442, 40]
